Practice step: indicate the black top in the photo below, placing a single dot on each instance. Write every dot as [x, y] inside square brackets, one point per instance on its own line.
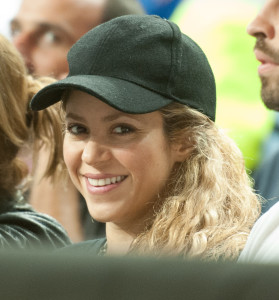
[22, 227]
[92, 229]
[86, 247]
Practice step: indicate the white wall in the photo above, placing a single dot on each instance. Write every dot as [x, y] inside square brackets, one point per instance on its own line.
[8, 9]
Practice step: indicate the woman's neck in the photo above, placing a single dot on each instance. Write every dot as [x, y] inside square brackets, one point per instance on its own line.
[119, 240]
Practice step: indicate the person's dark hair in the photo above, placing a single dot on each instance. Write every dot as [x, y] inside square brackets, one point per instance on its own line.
[117, 8]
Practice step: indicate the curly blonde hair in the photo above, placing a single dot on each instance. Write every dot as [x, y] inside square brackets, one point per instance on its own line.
[19, 125]
[209, 206]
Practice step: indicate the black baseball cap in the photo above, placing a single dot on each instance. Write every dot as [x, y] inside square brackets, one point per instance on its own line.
[137, 64]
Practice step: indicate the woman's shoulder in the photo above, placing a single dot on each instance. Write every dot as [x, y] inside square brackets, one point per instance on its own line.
[86, 247]
[263, 242]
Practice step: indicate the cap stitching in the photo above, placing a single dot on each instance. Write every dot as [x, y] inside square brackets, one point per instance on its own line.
[173, 62]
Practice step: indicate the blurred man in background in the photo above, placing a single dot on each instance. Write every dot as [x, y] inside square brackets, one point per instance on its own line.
[44, 30]
[265, 29]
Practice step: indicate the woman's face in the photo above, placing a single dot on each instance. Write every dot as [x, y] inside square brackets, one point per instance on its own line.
[118, 161]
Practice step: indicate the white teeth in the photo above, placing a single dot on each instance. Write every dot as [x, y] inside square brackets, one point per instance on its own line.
[106, 181]
[102, 182]
[93, 181]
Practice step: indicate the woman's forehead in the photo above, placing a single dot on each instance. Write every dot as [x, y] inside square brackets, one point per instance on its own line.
[76, 99]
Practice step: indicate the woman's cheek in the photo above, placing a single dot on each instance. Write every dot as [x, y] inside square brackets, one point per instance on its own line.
[69, 154]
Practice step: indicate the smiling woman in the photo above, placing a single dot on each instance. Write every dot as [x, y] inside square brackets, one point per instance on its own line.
[141, 145]
[109, 155]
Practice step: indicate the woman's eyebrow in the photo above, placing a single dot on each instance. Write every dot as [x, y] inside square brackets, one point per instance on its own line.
[74, 116]
[109, 118]
[117, 115]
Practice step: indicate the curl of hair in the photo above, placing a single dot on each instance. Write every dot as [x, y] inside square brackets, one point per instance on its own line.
[46, 130]
[209, 206]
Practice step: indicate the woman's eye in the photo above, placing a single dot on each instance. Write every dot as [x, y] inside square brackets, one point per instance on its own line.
[122, 130]
[76, 129]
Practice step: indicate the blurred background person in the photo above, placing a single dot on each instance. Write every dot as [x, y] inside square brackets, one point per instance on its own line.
[219, 26]
[264, 28]
[20, 226]
[43, 31]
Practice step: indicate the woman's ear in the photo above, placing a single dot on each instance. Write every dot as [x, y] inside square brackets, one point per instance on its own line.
[181, 151]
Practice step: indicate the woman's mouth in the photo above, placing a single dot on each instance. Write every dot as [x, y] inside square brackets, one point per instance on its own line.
[105, 181]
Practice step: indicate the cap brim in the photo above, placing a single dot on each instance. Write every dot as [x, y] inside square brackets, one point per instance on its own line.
[120, 94]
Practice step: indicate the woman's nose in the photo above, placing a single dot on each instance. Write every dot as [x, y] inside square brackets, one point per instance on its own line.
[94, 153]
